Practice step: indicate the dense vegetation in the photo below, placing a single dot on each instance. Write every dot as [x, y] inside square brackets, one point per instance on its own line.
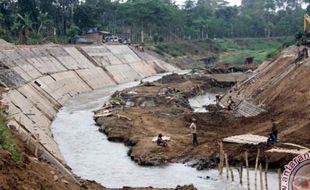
[6, 140]
[224, 50]
[32, 21]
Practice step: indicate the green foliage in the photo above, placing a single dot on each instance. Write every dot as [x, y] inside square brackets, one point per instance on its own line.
[236, 51]
[6, 140]
[161, 20]
[73, 30]
[117, 100]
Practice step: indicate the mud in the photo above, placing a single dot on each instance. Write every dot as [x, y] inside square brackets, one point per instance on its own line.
[136, 125]
[163, 107]
[231, 68]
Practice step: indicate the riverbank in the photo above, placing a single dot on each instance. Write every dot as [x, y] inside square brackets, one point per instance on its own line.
[136, 115]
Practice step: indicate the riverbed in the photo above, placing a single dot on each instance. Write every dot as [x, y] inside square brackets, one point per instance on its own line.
[91, 156]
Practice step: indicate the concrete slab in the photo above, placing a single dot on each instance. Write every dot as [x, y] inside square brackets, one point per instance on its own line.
[96, 77]
[63, 57]
[62, 86]
[48, 108]
[82, 61]
[11, 78]
[143, 69]
[123, 73]
[38, 119]
[44, 62]
[246, 139]
[6, 45]
[101, 55]
[14, 57]
[123, 53]
[22, 73]
[44, 138]
[4, 60]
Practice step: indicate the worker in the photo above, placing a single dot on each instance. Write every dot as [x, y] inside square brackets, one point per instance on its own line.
[273, 136]
[305, 53]
[193, 128]
[160, 141]
[230, 103]
[217, 98]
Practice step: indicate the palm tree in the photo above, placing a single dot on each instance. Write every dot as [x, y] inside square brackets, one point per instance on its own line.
[23, 25]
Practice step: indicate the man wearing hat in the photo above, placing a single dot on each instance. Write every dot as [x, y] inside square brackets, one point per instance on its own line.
[193, 128]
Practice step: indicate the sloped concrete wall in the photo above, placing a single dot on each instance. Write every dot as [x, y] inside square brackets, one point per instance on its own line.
[43, 78]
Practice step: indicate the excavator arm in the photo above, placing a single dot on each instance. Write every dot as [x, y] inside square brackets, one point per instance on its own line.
[306, 22]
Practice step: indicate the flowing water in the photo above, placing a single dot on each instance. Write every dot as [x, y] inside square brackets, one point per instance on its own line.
[91, 156]
[198, 102]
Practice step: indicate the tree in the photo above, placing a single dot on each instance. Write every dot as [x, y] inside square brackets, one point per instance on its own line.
[24, 25]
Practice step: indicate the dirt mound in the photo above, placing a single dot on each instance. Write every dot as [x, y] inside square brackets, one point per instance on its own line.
[172, 78]
[31, 173]
[280, 86]
[137, 125]
[230, 68]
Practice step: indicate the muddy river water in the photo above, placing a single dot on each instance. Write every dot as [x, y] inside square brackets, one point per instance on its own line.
[91, 156]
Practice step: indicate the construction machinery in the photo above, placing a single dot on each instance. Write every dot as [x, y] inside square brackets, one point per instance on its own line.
[304, 38]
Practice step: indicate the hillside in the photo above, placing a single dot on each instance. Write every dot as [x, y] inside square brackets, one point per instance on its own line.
[199, 54]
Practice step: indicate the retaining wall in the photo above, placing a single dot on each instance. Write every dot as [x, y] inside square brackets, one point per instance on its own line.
[42, 78]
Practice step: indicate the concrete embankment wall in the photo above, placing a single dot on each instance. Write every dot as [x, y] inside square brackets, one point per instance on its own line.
[42, 78]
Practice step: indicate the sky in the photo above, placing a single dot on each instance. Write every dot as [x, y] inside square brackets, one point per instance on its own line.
[232, 2]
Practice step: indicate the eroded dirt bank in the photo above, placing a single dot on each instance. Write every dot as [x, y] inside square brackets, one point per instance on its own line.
[34, 174]
[138, 114]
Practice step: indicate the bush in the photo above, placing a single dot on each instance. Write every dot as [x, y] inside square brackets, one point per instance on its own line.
[6, 140]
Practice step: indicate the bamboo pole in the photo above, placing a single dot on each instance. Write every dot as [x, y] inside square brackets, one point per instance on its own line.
[266, 176]
[36, 149]
[28, 139]
[247, 169]
[232, 175]
[261, 177]
[227, 166]
[256, 167]
[240, 175]
[279, 175]
[221, 165]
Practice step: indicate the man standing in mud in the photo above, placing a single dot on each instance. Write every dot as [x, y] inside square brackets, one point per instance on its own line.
[193, 128]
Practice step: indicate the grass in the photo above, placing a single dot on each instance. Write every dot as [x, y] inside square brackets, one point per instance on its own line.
[235, 51]
[6, 140]
[183, 48]
[227, 50]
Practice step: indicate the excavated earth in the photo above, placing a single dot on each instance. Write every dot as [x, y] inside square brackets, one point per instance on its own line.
[141, 113]
[280, 86]
[31, 173]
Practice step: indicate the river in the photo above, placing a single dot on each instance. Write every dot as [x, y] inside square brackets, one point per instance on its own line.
[91, 156]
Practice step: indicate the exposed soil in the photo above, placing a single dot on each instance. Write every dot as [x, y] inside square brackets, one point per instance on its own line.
[162, 107]
[287, 102]
[230, 68]
[33, 174]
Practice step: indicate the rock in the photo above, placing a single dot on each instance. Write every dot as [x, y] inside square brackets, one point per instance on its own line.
[56, 178]
[148, 103]
[129, 104]
[52, 172]
[203, 164]
[65, 181]
[185, 187]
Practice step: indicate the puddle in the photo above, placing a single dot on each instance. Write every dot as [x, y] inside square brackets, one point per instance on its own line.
[198, 102]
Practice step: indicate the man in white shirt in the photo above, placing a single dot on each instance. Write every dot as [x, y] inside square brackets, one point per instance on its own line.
[193, 128]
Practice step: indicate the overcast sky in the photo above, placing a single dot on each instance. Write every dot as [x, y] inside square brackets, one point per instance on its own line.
[232, 2]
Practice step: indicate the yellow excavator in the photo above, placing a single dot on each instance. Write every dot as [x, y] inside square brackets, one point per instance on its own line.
[304, 39]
